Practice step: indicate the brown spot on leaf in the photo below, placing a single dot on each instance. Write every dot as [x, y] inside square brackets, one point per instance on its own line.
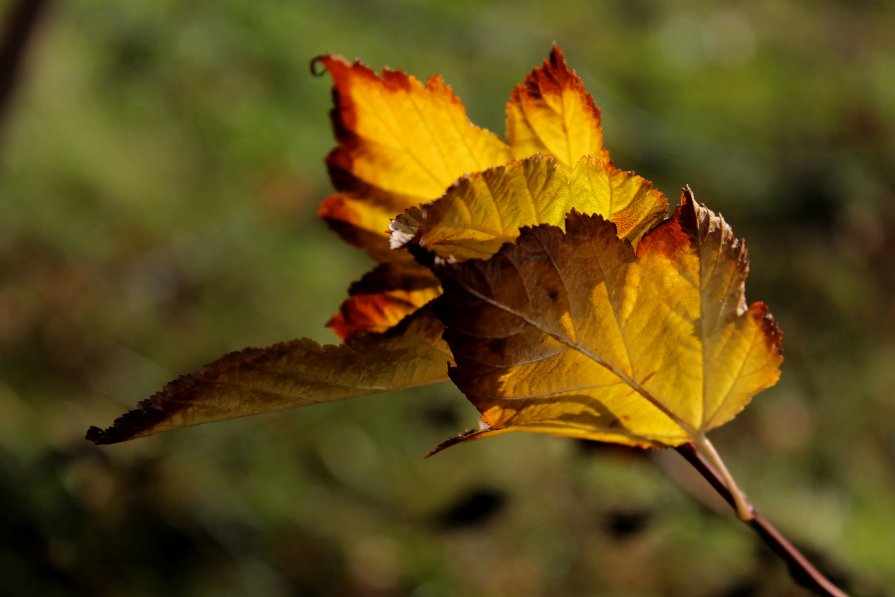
[497, 346]
[772, 332]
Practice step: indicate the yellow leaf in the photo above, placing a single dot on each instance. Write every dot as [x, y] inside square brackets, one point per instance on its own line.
[383, 297]
[288, 375]
[574, 334]
[552, 114]
[486, 209]
[401, 142]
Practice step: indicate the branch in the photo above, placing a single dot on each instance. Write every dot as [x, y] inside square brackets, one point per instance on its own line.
[801, 570]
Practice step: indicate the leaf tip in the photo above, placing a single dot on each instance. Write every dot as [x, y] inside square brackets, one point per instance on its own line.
[557, 58]
[465, 436]
[339, 324]
[134, 423]
[318, 65]
[95, 435]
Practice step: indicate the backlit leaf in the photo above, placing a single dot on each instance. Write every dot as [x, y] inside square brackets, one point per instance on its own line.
[401, 142]
[288, 375]
[552, 114]
[573, 333]
[554, 364]
[486, 209]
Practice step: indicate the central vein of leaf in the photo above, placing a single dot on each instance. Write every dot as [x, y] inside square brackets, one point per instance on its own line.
[592, 356]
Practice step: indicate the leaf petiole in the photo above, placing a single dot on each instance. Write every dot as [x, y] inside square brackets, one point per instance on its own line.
[743, 506]
[801, 570]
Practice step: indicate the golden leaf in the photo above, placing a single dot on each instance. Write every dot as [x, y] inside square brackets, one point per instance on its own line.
[551, 113]
[573, 333]
[486, 209]
[401, 142]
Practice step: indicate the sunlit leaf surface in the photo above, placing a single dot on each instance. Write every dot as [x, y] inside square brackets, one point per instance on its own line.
[552, 114]
[401, 142]
[574, 333]
[486, 209]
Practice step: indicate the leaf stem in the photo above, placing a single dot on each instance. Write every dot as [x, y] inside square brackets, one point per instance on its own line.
[801, 570]
[740, 501]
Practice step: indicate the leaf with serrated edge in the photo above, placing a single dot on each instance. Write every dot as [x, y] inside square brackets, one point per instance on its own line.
[401, 142]
[289, 375]
[486, 209]
[551, 113]
[573, 333]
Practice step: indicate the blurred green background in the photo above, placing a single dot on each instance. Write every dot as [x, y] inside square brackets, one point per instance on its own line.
[159, 173]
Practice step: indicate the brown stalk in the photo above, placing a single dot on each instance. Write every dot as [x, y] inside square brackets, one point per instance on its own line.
[801, 570]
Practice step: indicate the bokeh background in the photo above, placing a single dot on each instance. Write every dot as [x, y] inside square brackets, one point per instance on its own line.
[160, 168]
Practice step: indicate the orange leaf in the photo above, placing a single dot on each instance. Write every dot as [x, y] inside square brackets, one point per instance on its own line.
[572, 333]
[383, 297]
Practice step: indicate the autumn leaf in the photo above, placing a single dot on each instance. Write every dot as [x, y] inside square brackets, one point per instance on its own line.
[552, 279]
[486, 209]
[360, 223]
[289, 375]
[403, 143]
[573, 333]
[383, 297]
[551, 113]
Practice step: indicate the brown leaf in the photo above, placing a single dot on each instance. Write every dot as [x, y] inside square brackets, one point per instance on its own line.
[289, 375]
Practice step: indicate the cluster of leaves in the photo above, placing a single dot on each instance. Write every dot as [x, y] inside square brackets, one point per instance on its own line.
[554, 284]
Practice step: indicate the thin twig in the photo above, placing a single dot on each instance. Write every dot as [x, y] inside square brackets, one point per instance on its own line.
[801, 570]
